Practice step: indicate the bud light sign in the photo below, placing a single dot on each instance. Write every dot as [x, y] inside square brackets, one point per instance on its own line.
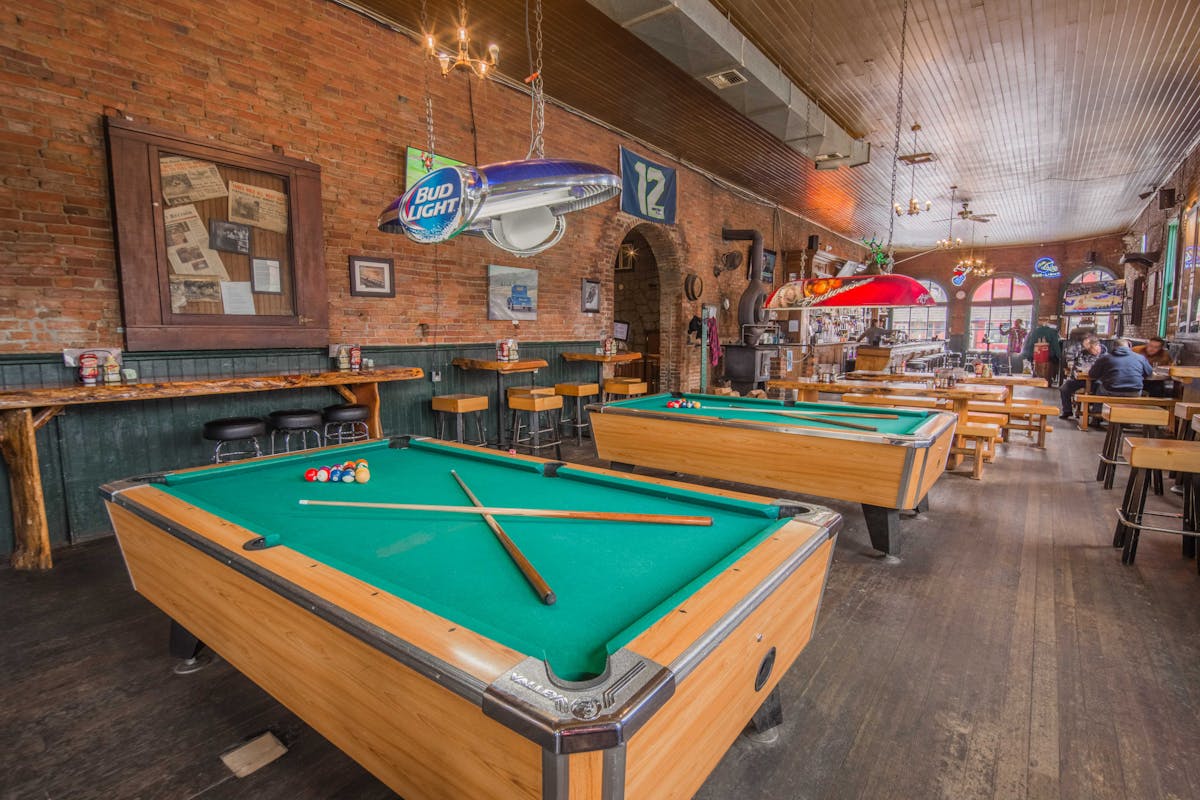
[440, 205]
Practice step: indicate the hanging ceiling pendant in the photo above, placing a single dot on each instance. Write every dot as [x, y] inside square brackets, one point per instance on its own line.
[861, 291]
[519, 206]
[914, 207]
[950, 242]
[461, 57]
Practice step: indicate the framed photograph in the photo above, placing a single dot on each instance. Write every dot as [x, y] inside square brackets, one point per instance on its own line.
[372, 277]
[589, 296]
[512, 292]
[265, 276]
[620, 330]
[230, 237]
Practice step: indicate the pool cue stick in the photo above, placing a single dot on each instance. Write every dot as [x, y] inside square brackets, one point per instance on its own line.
[545, 513]
[863, 414]
[824, 419]
[693, 418]
[527, 569]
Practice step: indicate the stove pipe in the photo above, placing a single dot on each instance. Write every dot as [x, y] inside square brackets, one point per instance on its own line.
[752, 311]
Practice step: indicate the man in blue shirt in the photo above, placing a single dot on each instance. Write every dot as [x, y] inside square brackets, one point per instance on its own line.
[1122, 372]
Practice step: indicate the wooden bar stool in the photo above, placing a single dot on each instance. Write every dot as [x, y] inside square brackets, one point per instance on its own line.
[1119, 417]
[623, 387]
[533, 406]
[460, 405]
[578, 390]
[1183, 418]
[302, 421]
[1153, 456]
[346, 422]
[228, 430]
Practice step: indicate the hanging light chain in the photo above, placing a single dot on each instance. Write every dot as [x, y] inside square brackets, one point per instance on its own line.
[430, 141]
[899, 117]
[537, 98]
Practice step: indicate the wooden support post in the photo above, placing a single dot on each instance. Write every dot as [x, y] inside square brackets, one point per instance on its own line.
[368, 395]
[18, 445]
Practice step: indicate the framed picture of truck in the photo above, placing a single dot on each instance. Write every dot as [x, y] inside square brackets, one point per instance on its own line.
[512, 293]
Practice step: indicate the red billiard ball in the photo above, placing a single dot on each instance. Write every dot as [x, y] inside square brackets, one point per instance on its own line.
[310, 475]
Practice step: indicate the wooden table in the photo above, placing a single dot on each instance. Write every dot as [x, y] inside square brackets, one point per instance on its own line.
[501, 368]
[1010, 381]
[23, 411]
[601, 360]
[960, 396]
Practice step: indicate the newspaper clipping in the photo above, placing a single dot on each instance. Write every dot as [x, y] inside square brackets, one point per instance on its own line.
[184, 226]
[254, 205]
[188, 180]
[193, 290]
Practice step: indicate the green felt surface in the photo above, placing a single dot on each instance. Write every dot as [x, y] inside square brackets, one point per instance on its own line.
[612, 580]
[760, 410]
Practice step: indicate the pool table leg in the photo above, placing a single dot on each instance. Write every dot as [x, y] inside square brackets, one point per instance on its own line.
[883, 526]
[184, 646]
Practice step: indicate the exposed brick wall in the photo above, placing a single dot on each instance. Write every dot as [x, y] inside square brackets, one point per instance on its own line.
[1017, 260]
[1152, 223]
[324, 84]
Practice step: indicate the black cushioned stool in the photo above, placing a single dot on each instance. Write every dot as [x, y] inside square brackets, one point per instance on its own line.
[346, 422]
[296, 421]
[231, 430]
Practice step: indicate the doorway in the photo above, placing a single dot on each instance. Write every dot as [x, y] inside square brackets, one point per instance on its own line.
[637, 303]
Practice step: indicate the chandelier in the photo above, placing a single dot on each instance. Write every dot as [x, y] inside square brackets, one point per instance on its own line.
[950, 242]
[462, 56]
[914, 207]
[971, 265]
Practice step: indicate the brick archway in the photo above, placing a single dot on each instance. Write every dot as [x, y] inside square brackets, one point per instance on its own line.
[667, 245]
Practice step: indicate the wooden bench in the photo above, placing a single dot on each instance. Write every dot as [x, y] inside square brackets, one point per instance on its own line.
[1027, 414]
[1085, 400]
[983, 436]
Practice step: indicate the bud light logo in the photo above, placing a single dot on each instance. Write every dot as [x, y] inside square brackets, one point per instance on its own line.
[440, 205]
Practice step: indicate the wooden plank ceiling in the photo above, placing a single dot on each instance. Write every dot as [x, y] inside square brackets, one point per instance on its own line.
[1052, 115]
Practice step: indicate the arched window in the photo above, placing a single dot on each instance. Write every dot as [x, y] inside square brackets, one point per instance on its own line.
[924, 322]
[1103, 322]
[995, 305]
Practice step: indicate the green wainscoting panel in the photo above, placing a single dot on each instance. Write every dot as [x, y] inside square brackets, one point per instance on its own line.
[88, 445]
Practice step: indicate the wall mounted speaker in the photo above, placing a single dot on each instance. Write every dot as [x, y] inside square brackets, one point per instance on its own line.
[814, 242]
[1166, 199]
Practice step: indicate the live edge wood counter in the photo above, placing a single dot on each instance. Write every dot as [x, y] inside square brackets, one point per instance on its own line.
[23, 411]
[411, 642]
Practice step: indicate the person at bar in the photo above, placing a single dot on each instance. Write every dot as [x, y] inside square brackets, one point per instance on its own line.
[1155, 351]
[1079, 361]
[1120, 373]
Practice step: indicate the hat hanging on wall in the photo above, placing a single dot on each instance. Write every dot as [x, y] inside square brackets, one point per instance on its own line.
[693, 287]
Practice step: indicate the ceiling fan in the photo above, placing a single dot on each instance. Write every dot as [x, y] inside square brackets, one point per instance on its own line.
[968, 214]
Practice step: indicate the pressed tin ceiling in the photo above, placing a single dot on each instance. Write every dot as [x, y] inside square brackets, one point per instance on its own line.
[1054, 115]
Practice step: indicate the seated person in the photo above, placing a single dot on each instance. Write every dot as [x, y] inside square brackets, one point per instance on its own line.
[1081, 359]
[1155, 351]
[1120, 373]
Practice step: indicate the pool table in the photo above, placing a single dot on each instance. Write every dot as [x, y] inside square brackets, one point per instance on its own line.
[748, 441]
[410, 641]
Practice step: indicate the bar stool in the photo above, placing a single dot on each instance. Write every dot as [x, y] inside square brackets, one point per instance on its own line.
[1183, 418]
[460, 405]
[623, 387]
[579, 390]
[533, 406]
[302, 421]
[346, 422]
[1118, 417]
[228, 430]
[1153, 456]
